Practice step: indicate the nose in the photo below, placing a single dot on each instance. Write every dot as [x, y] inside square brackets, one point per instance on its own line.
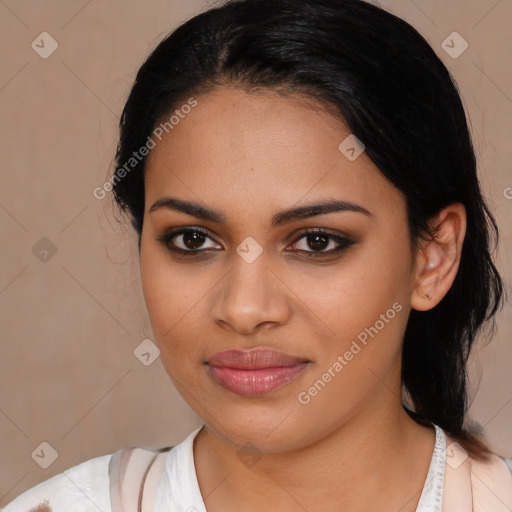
[250, 297]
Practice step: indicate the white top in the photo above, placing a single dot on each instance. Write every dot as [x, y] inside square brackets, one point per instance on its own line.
[86, 487]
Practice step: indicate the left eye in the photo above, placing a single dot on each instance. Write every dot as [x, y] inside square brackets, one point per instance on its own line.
[322, 242]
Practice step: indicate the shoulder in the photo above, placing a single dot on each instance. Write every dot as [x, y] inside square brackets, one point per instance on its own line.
[481, 485]
[492, 484]
[85, 487]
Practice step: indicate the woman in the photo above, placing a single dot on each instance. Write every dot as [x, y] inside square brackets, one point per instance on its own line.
[316, 262]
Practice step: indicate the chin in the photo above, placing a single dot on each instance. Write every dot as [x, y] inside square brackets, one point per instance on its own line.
[259, 432]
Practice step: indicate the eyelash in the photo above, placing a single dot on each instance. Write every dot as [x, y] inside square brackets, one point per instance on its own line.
[344, 242]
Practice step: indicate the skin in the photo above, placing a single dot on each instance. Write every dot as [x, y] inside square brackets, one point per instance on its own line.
[352, 447]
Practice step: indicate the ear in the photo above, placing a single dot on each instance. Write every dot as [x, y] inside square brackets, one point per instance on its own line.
[437, 259]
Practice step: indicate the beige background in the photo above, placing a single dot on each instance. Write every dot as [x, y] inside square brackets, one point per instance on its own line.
[68, 374]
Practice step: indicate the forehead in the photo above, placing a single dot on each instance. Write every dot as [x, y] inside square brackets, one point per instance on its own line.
[239, 150]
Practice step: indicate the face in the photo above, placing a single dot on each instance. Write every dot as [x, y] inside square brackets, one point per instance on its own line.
[277, 329]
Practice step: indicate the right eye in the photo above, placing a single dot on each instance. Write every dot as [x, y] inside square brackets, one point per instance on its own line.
[188, 241]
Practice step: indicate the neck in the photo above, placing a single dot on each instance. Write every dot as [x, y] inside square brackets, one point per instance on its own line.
[377, 459]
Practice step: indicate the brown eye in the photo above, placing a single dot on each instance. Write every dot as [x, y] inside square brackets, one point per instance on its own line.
[193, 239]
[186, 240]
[320, 243]
[317, 242]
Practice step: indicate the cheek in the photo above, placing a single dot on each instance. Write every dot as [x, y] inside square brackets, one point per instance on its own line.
[363, 302]
[159, 292]
[364, 309]
[352, 295]
[175, 300]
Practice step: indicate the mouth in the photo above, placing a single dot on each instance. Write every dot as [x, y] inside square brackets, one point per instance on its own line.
[254, 372]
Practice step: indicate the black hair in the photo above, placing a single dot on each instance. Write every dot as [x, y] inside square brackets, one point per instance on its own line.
[386, 83]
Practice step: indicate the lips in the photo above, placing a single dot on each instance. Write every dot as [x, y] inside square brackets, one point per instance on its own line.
[254, 372]
[254, 359]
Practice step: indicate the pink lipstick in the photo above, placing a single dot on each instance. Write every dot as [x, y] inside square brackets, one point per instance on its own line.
[254, 372]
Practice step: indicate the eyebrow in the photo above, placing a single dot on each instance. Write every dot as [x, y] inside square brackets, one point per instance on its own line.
[278, 219]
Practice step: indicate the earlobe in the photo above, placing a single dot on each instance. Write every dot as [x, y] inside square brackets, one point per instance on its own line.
[437, 260]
